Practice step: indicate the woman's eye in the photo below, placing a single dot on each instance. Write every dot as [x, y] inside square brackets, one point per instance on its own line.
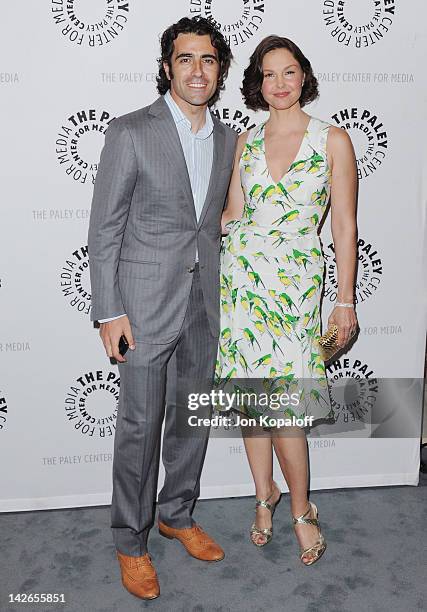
[268, 75]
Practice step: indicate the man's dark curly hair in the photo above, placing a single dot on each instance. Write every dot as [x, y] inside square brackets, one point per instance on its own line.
[254, 76]
[200, 26]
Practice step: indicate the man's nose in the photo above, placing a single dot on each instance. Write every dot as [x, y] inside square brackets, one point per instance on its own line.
[197, 67]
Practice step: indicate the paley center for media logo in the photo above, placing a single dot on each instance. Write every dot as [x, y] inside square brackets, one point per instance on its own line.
[79, 142]
[75, 281]
[236, 118]
[353, 389]
[238, 20]
[90, 24]
[3, 411]
[369, 137]
[369, 272]
[358, 23]
[91, 403]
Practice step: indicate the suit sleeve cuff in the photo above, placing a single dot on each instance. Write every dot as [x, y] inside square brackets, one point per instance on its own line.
[111, 318]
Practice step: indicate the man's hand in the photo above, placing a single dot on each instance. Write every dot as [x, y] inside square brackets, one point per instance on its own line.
[110, 334]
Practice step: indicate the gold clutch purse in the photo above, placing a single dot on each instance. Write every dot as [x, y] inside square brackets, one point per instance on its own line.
[328, 343]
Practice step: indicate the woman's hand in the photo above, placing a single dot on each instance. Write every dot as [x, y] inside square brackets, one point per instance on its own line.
[224, 221]
[346, 321]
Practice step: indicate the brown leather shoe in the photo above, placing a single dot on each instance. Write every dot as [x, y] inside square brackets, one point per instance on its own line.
[195, 541]
[139, 576]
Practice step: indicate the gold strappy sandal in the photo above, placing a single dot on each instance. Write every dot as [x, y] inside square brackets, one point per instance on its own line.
[267, 531]
[320, 546]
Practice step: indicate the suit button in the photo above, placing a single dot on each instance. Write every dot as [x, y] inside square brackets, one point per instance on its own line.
[190, 269]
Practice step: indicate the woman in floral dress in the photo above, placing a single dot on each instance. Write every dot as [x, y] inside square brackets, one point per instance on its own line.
[272, 269]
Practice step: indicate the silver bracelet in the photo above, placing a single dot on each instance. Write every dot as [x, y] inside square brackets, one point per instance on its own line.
[345, 304]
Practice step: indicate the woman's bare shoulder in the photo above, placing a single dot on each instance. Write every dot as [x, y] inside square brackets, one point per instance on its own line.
[243, 138]
[338, 138]
[241, 141]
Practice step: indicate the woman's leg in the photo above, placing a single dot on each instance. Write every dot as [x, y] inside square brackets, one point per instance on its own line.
[260, 456]
[290, 446]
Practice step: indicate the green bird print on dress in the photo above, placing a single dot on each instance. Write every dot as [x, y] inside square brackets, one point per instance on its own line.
[272, 271]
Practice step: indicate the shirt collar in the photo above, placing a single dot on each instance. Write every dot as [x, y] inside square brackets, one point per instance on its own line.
[179, 117]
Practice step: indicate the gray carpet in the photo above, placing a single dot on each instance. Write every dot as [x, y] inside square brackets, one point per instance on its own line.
[375, 560]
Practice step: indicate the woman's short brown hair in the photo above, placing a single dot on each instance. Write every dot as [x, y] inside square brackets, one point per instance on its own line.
[254, 76]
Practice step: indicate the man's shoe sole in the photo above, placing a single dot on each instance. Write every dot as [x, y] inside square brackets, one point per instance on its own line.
[143, 598]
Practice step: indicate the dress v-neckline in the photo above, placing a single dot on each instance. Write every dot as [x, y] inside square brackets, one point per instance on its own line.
[295, 158]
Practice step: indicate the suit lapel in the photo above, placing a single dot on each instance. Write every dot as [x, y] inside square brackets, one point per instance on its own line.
[164, 127]
[219, 140]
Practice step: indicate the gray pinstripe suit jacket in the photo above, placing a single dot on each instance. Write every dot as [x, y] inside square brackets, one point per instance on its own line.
[143, 229]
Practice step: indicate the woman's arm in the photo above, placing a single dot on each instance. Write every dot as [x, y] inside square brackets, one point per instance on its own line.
[235, 198]
[344, 228]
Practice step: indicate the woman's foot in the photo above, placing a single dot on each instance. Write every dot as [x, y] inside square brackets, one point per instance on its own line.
[262, 529]
[309, 536]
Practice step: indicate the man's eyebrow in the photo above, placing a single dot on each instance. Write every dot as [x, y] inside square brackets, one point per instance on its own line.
[205, 55]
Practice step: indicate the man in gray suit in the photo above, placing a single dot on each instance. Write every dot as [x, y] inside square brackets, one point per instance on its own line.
[154, 241]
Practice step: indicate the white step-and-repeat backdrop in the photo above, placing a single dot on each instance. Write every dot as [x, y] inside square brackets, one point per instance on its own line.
[67, 68]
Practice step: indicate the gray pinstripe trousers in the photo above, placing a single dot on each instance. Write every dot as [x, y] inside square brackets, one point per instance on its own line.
[148, 381]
